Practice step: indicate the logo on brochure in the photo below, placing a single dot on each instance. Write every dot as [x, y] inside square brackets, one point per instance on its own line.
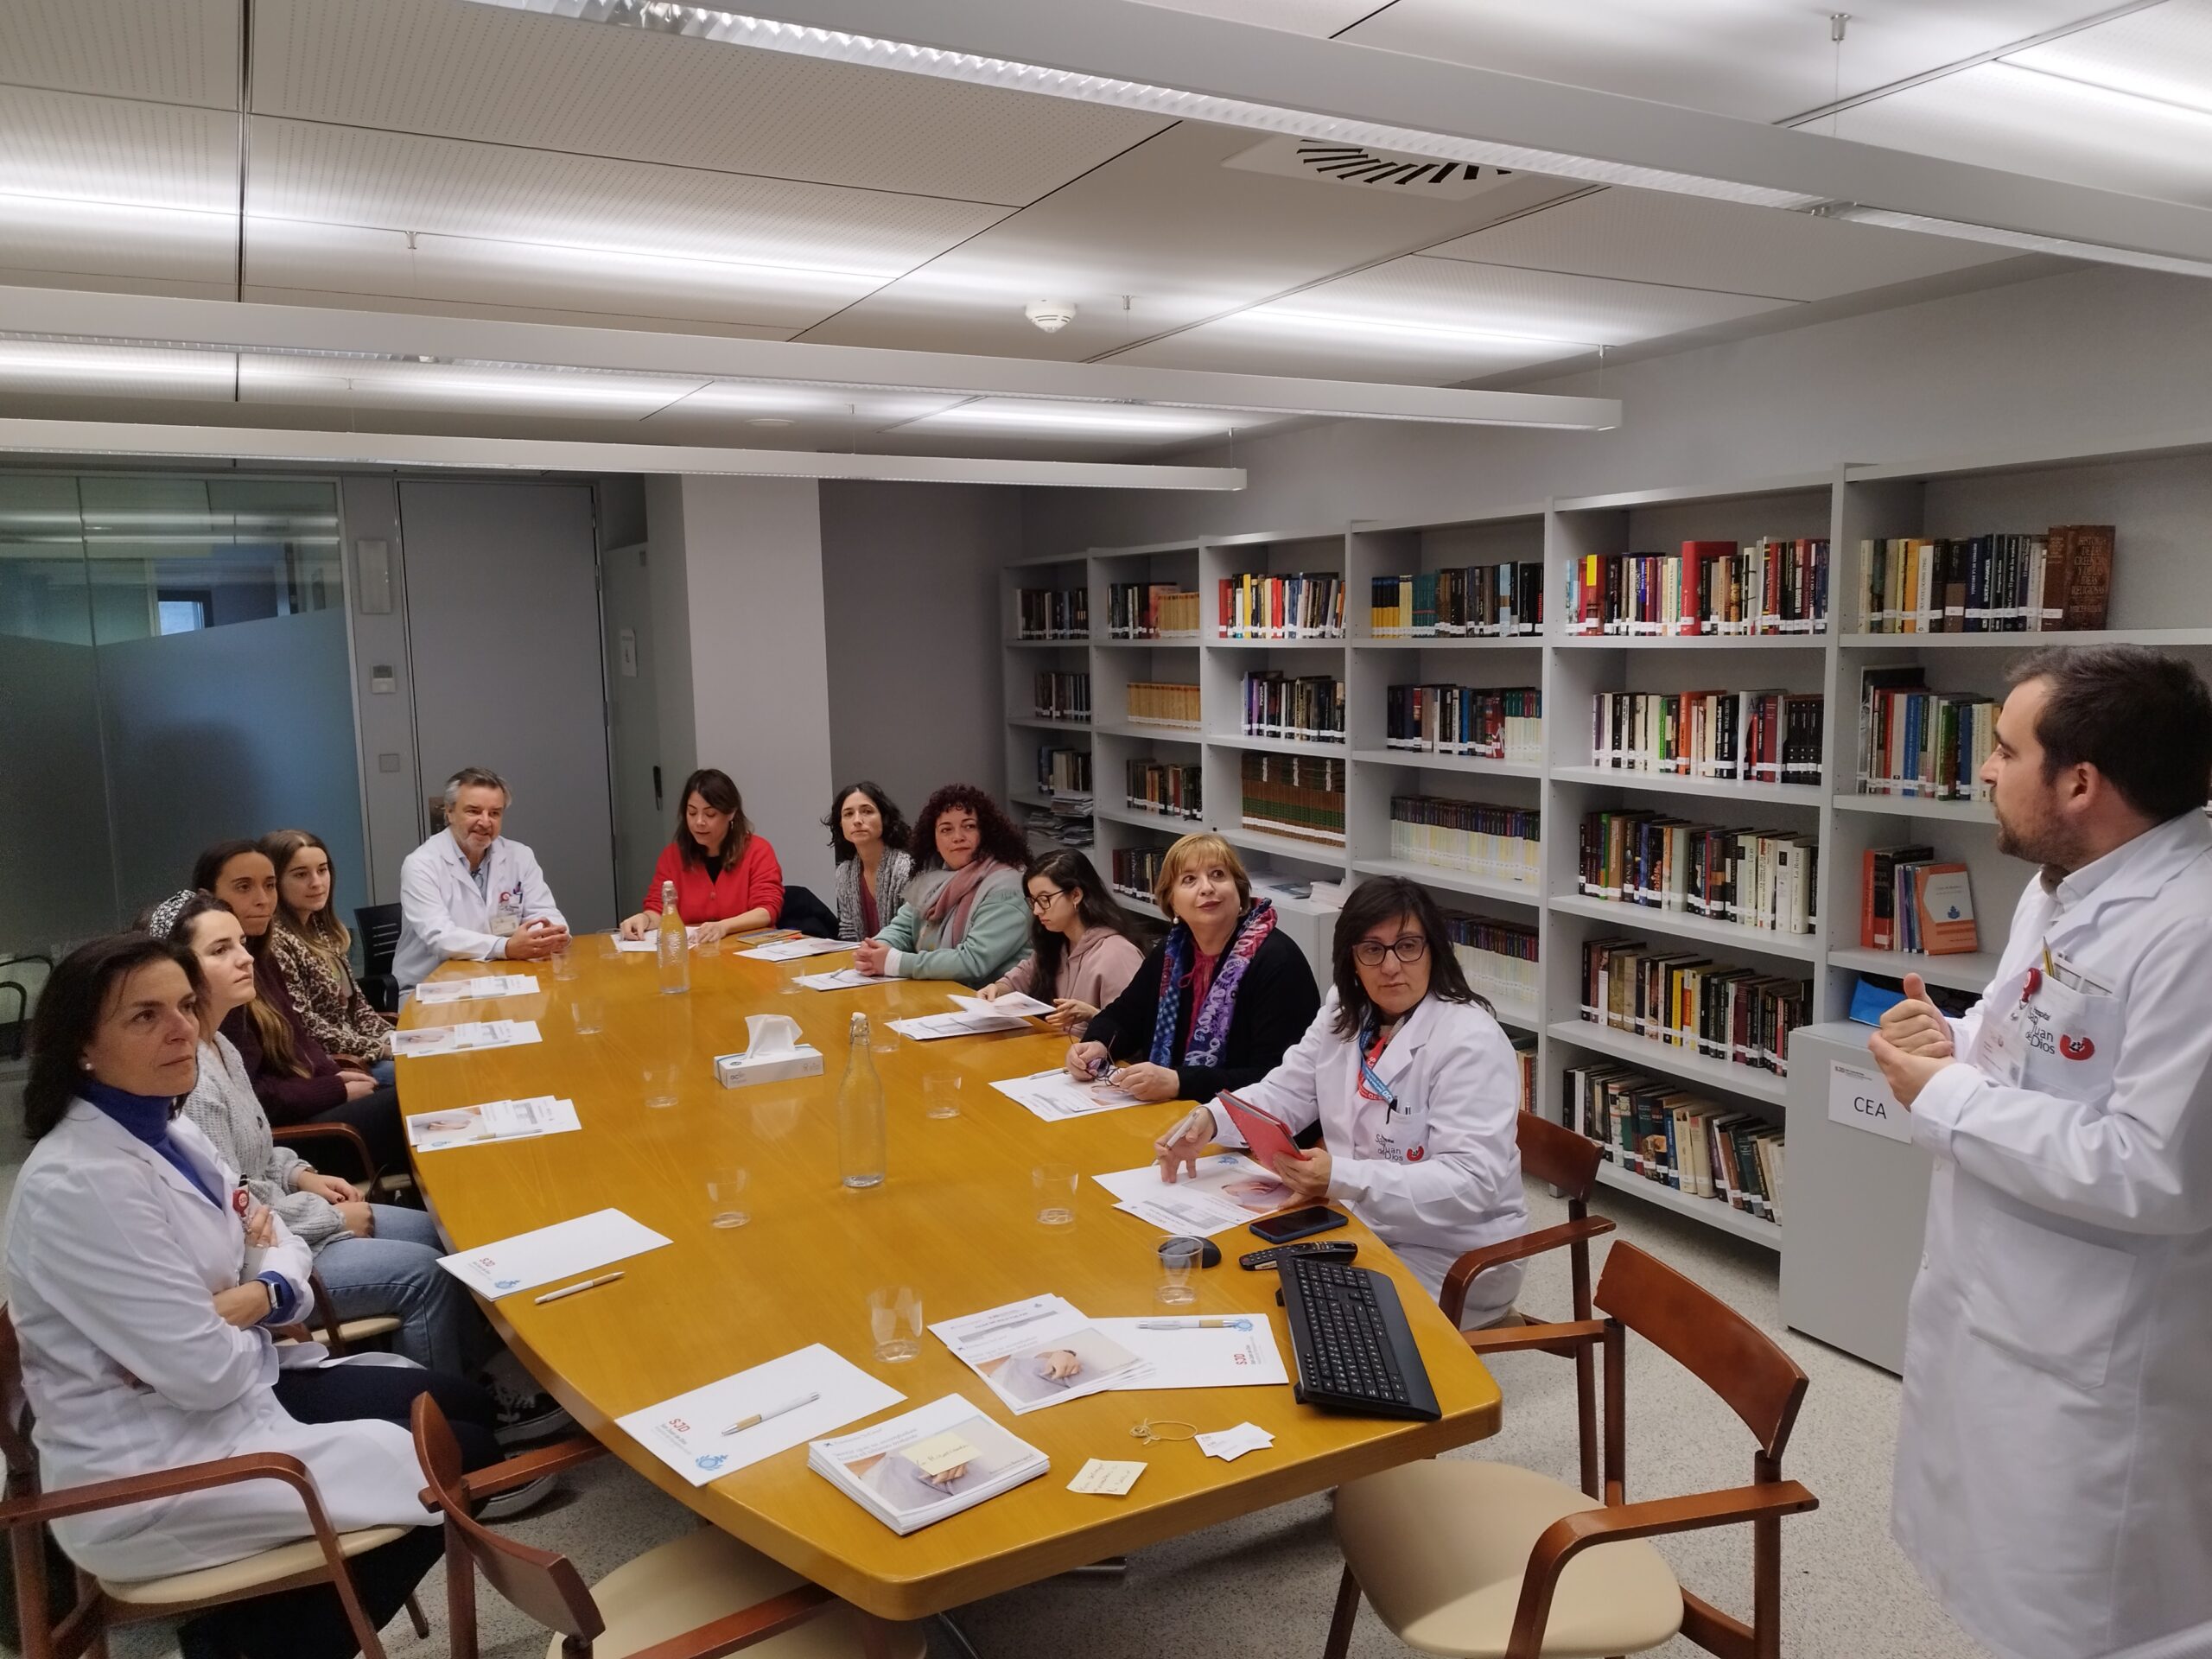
[712, 1461]
[506, 1284]
[2076, 1048]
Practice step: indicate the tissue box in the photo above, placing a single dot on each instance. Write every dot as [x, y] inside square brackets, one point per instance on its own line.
[735, 1071]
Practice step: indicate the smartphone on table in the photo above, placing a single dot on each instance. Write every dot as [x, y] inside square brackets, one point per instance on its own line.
[1296, 1224]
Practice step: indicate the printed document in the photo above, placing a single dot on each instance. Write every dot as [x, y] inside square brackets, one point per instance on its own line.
[567, 1248]
[1036, 1353]
[474, 1034]
[1238, 1353]
[1055, 1096]
[432, 992]
[495, 1120]
[692, 1432]
[1228, 1191]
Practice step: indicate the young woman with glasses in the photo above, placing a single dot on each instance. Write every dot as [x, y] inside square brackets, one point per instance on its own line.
[1415, 1089]
[1080, 952]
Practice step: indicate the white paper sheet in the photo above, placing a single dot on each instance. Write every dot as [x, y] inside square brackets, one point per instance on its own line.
[539, 1257]
[685, 1432]
[1056, 1097]
[793, 950]
[464, 1038]
[431, 992]
[637, 947]
[845, 979]
[1036, 1353]
[1228, 1191]
[1230, 1444]
[930, 1027]
[1222, 1358]
[495, 1120]
[1014, 1002]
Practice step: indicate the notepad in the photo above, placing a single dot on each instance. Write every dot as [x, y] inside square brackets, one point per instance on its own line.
[567, 1248]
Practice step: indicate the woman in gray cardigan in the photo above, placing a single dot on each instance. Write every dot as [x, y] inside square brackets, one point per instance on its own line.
[867, 837]
[964, 917]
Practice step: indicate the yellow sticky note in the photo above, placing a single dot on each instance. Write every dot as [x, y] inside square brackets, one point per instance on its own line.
[1108, 1479]
[940, 1452]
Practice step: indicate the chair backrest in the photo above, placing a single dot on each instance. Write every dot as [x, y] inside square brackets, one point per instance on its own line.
[16, 1447]
[541, 1584]
[379, 927]
[1554, 1154]
[1717, 1345]
[21, 979]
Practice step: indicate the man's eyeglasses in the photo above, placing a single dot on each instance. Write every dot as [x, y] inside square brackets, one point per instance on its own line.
[1409, 947]
[1041, 902]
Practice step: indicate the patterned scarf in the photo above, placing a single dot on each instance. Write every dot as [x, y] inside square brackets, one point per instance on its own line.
[1210, 1024]
[950, 905]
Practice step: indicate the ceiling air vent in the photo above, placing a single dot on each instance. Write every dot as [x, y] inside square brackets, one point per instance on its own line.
[1329, 162]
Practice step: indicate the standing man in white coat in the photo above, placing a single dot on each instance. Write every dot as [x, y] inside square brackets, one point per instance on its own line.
[2054, 1478]
[469, 893]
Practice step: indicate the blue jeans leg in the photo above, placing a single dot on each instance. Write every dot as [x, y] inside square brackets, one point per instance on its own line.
[396, 1271]
[384, 1071]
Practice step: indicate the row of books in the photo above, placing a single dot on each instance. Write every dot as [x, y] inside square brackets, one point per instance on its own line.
[1151, 610]
[1498, 723]
[1770, 586]
[1308, 606]
[1911, 900]
[1682, 1000]
[1061, 695]
[1305, 708]
[1918, 743]
[1062, 770]
[1295, 795]
[1757, 879]
[1676, 1137]
[1161, 704]
[1499, 959]
[1757, 737]
[1053, 613]
[1524, 1057]
[2006, 582]
[1498, 843]
[1135, 869]
[1163, 786]
[1480, 602]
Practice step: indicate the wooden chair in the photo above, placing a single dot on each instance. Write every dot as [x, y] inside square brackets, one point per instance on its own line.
[353, 1150]
[1484, 1559]
[700, 1596]
[102, 1604]
[1568, 1162]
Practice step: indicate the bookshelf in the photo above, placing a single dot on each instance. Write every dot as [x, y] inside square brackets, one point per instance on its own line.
[2157, 492]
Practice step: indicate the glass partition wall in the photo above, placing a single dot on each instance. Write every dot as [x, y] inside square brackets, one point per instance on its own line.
[174, 670]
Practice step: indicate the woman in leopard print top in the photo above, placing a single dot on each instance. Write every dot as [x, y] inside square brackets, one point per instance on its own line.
[308, 944]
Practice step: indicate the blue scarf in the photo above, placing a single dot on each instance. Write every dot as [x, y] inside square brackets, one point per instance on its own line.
[147, 1118]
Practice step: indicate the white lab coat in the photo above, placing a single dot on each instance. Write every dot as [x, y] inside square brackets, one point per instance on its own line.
[444, 917]
[1450, 1180]
[2054, 1478]
[113, 1259]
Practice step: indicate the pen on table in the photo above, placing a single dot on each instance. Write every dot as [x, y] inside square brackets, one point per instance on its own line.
[570, 1290]
[761, 1417]
[1206, 1324]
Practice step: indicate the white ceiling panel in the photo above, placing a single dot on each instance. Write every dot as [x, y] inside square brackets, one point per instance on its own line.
[2164, 53]
[76, 147]
[1999, 116]
[1692, 242]
[614, 287]
[1318, 18]
[341, 383]
[475, 72]
[1763, 59]
[395, 181]
[105, 240]
[171, 51]
[35, 368]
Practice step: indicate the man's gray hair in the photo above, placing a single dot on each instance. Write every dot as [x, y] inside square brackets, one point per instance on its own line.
[475, 778]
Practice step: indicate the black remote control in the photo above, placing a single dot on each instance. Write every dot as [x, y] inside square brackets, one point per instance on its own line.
[1319, 1250]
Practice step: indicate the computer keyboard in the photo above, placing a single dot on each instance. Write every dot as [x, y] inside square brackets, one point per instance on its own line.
[1355, 1351]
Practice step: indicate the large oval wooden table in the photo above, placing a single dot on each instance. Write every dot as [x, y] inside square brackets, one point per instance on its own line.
[956, 1219]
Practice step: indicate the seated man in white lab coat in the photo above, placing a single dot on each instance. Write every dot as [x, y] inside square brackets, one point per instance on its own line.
[2054, 1476]
[469, 893]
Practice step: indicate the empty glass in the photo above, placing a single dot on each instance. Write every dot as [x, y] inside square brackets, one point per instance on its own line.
[663, 1079]
[726, 1198]
[587, 1013]
[564, 963]
[894, 1322]
[1055, 1186]
[941, 1097]
[1179, 1258]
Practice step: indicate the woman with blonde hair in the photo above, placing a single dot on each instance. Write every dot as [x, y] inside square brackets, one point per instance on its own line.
[1217, 1003]
[309, 944]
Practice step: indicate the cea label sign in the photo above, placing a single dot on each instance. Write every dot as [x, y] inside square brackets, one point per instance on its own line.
[1859, 1099]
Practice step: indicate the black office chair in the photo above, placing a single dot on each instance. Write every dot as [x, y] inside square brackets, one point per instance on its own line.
[378, 926]
[22, 978]
[808, 914]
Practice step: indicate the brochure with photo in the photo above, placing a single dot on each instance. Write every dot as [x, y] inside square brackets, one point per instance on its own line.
[495, 1120]
[1228, 1191]
[1015, 1003]
[1055, 1096]
[926, 1464]
[1037, 1353]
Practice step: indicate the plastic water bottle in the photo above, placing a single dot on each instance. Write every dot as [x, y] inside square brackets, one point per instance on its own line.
[674, 954]
[860, 1113]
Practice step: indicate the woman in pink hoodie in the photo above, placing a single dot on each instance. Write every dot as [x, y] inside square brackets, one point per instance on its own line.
[1081, 954]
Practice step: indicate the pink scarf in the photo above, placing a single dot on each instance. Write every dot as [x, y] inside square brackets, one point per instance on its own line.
[957, 898]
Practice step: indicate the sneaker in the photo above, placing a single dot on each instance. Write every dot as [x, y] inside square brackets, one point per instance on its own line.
[521, 1415]
[521, 1501]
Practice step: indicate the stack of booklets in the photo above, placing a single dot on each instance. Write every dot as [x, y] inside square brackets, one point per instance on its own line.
[1151, 610]
[1907, 900]
[1053, 613]
[1295, 795]
[1170, 790]
[1770, 586]
[1478, 601]
[1306, 709]
[1308, 606]
[2060, 580]
[1504, 724]
[1499, 958]
[1500, 843]
[1677, 1137]
[1751, 737]
[1754, 878]
[1687, 1001]
[1918, 743]
[1061, 696]
[926, 1464]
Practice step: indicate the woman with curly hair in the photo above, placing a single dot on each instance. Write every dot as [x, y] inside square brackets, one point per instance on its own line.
[963, 917]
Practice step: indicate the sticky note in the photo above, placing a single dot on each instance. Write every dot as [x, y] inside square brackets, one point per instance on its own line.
[940, 1452]
[1108, 1479]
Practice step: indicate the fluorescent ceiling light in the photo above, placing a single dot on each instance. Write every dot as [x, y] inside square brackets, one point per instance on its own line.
[798, 40]
[1411, 332]
[1856, 214]
[1104, 420]
[56, 367]
[445, 385]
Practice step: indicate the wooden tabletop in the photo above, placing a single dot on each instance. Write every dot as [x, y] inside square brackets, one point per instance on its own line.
[956, 1219]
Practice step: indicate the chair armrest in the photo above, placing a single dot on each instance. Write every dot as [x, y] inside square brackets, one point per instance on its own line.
[1570, 1534]
[166, 1483]
[1561, 1339]
[520, 1469]
[746, 1628]
[298, 1135]
[1453, 1297]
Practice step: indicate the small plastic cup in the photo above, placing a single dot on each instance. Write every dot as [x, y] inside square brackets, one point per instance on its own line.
[941, 1097]
[664, 1082]
[564, 963]
[895, 1323]
[1179, 1259]
[587, 1013]
[726, 1198]
[1055, 1186]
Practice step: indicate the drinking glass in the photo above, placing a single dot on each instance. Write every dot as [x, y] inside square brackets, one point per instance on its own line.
[587, 1013]
[894, 1322]
[1179, 1258]
[564, 963]
[941, 1098]
[1055, 1186]
[664, 1080]
[726, 1198]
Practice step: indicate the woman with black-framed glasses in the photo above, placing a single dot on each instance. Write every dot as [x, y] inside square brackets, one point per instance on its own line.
[1417, 1091]
[1081, 954]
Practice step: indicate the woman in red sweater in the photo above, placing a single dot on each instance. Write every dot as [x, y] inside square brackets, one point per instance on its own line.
[726, 878]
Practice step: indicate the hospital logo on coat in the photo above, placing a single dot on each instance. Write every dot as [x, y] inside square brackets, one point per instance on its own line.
[1416, 1155]
[2076, 1048]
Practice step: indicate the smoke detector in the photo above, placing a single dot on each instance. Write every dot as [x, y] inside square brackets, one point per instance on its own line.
[1050, 315]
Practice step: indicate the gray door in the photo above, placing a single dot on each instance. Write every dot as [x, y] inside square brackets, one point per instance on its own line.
[502, 635]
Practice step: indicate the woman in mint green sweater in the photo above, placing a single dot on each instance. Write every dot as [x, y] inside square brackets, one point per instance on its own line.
[963, 915]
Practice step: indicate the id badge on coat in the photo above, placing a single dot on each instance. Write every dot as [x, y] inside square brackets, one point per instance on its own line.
[2073, 1041]
[506, 914]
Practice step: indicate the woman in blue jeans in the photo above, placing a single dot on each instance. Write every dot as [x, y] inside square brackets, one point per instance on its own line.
[373, 1258]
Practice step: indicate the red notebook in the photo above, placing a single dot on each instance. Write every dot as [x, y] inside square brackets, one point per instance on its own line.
[1262, 1131]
